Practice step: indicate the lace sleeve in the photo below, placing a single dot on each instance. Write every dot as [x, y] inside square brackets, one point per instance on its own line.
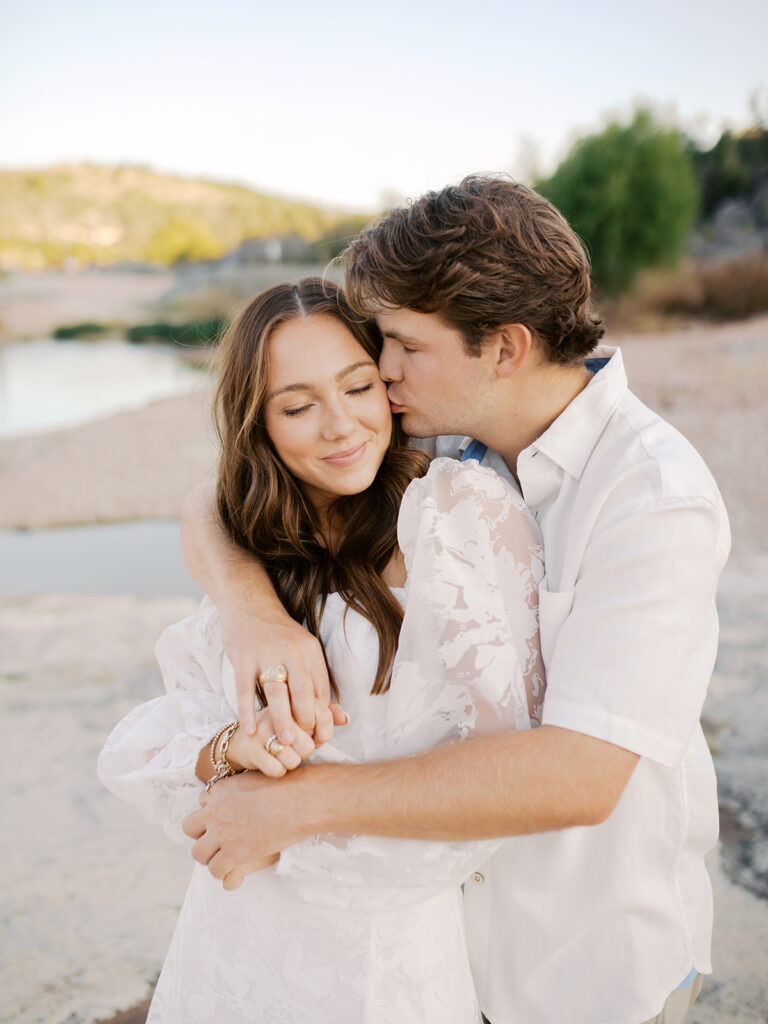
[149, 758]
[468, 663]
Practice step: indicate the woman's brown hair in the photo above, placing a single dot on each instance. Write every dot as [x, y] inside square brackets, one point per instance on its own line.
[481, 254]
[262, 504]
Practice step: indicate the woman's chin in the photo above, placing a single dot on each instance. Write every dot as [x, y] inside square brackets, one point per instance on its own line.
[357, 483]
[341, 486]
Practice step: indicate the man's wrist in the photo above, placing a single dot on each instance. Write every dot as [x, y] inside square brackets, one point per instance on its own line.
[318, 802]
[246, 602]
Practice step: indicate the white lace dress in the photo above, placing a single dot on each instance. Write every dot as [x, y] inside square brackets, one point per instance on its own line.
[352, 930]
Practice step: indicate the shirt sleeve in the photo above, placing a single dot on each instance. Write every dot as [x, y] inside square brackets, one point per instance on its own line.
[150, 757]
[635, 640]
[468, 663]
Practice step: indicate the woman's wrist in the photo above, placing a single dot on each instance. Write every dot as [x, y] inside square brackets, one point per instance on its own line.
[234, 751]
[216, 759]
[203, 769]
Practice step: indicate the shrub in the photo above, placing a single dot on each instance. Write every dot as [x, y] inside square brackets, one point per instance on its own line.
[68, 331]
[730, 290]
[196, 332]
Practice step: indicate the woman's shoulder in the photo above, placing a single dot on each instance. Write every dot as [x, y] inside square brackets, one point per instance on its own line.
[455, 501]
[394, 574]
[449, 480]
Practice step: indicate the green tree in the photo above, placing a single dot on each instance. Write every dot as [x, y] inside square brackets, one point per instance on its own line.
[631, 194]
[338, 236]
[183, 238]
[736, 167]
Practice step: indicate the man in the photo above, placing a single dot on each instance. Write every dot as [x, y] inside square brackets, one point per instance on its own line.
[598, 909]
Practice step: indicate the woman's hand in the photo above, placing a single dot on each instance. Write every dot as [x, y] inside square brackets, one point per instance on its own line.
[253, 643]
[250, 752]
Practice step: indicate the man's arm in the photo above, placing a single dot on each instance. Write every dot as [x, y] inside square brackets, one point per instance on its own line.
[635, 687]
[513, 783]
[256, 630]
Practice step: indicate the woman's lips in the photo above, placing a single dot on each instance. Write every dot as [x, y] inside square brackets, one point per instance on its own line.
[347, 457]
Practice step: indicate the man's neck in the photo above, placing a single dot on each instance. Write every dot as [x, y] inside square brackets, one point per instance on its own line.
[534, 407]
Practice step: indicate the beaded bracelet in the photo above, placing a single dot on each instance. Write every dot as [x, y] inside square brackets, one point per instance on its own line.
[221, 766]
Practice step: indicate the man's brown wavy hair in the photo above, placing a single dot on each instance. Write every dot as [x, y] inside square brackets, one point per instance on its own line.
[263, 506]
[481, 254]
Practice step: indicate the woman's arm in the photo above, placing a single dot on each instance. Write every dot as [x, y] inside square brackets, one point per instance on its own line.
[150, 757]
[256, 630]
[159, 755]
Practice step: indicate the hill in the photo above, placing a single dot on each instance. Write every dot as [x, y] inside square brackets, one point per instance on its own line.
[106, 215]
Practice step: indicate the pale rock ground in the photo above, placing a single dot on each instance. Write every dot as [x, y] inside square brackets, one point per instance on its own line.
[89, 893]
[131, 465]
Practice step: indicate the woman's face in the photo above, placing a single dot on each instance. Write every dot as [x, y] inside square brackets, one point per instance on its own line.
[326, 410]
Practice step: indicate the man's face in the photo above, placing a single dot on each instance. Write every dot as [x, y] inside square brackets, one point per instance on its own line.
[437, 387]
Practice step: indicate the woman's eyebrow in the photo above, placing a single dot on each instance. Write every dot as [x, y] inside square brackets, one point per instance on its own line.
[308, 387]
[355, 366]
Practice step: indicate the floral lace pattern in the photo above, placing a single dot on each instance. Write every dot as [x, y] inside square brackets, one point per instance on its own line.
[357, 928]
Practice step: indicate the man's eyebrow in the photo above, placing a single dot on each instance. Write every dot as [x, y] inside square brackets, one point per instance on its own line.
[308, 387]
[405, 339]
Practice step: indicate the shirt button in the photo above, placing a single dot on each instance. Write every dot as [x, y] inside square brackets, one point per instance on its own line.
[478, 878]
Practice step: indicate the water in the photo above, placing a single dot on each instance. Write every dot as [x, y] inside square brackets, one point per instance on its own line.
[45, 385]
[140, 558]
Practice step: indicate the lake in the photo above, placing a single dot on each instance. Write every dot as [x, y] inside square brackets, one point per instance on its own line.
[142, 558]
[46, 384]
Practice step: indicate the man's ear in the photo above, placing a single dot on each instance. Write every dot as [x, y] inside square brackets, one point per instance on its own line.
[513, 346]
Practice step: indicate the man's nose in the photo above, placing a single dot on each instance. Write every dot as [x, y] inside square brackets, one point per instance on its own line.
[389, 369]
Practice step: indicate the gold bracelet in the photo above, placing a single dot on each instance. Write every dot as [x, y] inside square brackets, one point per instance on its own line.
[221, 766]
[214, 741]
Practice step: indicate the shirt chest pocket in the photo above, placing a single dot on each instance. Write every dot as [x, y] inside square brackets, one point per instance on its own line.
[554, 608]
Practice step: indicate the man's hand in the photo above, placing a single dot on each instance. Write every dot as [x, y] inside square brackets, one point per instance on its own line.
[253, 643]
[256, 630]
[244, 822]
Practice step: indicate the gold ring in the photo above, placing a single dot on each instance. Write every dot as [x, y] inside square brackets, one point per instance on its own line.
[273, 745]
[274, 674]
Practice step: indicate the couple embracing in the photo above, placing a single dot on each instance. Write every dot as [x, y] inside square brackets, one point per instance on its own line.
[474, 785]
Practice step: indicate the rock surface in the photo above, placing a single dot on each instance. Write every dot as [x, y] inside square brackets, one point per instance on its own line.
[90, 893]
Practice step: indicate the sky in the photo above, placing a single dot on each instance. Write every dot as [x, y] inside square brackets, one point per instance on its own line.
[356, 104]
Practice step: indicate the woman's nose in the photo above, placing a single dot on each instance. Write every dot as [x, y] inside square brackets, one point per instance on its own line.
[338, 421]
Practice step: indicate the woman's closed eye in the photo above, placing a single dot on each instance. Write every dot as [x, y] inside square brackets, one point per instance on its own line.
[297, 410]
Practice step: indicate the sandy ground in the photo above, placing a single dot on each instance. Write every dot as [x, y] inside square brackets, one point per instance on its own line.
[32, 305]
[89, 893]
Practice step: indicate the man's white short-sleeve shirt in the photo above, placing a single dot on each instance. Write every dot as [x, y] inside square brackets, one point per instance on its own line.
[597, 925]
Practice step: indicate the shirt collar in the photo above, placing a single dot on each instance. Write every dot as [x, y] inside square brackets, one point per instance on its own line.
[569, 441]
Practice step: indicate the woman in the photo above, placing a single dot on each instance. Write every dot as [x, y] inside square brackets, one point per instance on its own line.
[317, 480]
